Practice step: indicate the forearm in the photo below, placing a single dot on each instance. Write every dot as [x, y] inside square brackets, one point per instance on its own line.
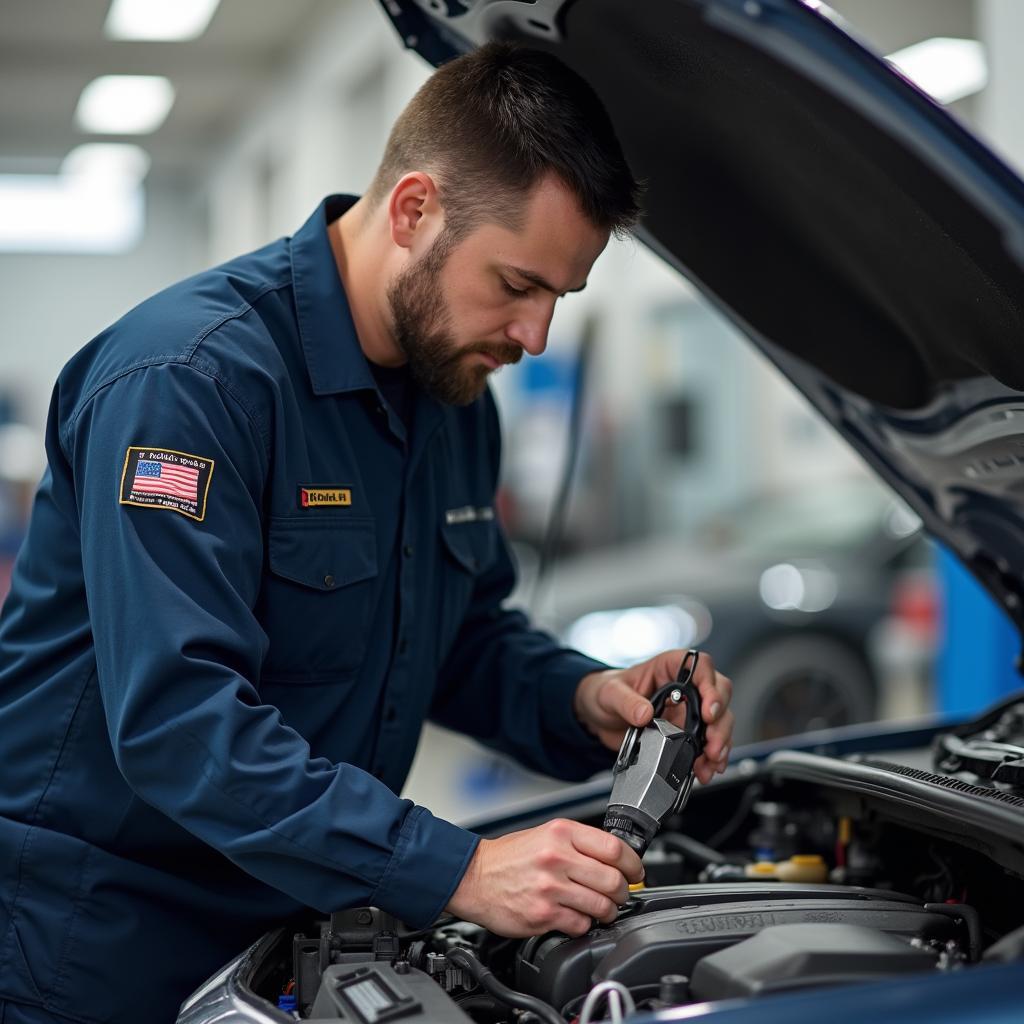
[512, 687]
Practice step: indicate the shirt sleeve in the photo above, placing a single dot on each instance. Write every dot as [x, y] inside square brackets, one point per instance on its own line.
[179, 650]
[510, 685]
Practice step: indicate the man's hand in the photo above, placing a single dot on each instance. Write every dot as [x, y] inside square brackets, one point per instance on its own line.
[555, 877]
[608, 702]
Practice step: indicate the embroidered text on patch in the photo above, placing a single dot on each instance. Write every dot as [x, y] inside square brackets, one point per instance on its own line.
[164, 478]
[469, 514]
[315, 497]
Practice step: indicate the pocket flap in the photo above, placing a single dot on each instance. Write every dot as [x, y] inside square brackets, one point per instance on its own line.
[323, 555]
[474, 545]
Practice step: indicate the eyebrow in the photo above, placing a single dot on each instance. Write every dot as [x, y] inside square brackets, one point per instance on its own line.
[540, 282]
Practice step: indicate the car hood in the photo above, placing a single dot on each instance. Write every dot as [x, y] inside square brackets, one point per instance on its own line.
[847, 224]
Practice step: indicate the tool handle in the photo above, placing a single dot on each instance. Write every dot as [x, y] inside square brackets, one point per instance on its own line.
[694, 723]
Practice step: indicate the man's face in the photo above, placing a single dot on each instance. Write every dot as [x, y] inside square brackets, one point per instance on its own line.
[460, 312]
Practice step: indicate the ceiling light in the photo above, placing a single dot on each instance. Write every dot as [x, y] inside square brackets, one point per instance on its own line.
[52, 213]
[94, 205]
[124, 104]
[113, 164]
[946, 69]
[159, 19]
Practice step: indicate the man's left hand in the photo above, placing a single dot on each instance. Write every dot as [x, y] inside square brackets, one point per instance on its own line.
[608, 702]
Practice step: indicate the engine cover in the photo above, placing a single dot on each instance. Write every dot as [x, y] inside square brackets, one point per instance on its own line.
[667, 930]
[789, 956]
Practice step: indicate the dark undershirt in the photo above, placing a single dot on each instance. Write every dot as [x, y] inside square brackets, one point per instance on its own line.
[395, 384]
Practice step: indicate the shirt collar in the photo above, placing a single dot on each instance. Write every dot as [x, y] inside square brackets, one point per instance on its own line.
[334, 358]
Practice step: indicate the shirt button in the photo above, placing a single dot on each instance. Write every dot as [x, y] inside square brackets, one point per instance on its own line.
[390, 713]
[328, 580]
[403, 646]
[407, 551]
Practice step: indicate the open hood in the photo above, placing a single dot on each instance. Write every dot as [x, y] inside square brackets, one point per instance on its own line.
[847, 224]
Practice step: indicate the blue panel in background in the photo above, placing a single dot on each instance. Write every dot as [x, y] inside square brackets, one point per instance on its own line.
[554, 374]
[979, 646]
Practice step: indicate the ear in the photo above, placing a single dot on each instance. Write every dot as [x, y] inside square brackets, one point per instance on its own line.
[414, 209]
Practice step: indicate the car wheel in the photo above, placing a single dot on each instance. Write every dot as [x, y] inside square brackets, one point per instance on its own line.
[799, 683]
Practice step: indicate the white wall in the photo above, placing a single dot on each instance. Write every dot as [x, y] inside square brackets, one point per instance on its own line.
[1001, 29]
[51, 305]
[321, 129]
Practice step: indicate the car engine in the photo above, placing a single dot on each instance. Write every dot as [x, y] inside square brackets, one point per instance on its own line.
[810, 868]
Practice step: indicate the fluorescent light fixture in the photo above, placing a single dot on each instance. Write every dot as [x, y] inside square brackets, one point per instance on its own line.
[95, 204]
[159, 19]
[124, 104]
[946, 69]
[107, 164]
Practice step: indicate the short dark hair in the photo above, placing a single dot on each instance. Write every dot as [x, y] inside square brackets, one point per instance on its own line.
[491, 123]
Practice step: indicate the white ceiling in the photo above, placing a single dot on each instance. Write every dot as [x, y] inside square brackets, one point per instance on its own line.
[50, 49]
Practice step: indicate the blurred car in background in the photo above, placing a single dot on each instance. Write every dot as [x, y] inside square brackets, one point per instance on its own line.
[810, 600]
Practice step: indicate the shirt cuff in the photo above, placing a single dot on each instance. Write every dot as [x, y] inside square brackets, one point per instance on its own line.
[428, 863]
[559, 719]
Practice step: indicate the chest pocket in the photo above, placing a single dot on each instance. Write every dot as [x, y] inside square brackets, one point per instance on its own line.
[318, 597]
[470, 548]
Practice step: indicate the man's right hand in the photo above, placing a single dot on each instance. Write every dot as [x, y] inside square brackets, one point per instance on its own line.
[555, 877]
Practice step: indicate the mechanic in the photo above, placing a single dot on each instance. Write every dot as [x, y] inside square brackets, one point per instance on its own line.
[265, 551]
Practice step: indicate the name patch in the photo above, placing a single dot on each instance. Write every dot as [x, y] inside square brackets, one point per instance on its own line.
[164, 478]
[315, 497]
[469, 514]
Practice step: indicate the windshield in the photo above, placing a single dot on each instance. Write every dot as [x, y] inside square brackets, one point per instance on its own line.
[806, 520]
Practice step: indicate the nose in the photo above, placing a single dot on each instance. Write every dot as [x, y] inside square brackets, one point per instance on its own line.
[531, 331]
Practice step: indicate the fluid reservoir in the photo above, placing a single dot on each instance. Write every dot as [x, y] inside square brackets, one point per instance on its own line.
[799, 868]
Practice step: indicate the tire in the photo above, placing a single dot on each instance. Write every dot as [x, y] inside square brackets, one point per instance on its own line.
[797, 683]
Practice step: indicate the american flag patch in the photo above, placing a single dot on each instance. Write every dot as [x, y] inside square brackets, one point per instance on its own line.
[164, 478]
[173, 481]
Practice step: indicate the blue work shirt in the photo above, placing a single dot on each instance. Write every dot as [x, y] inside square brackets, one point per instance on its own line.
[245, 587]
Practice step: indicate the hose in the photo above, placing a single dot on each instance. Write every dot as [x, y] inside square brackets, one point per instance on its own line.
[750, 797]
[620, 1001]
[485, 1005]
[465, 959]
[692, 848]
[556, 521]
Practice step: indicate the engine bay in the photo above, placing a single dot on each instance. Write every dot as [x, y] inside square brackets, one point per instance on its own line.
[810, 868]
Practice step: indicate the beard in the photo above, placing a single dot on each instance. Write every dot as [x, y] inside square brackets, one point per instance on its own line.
[422, 326]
